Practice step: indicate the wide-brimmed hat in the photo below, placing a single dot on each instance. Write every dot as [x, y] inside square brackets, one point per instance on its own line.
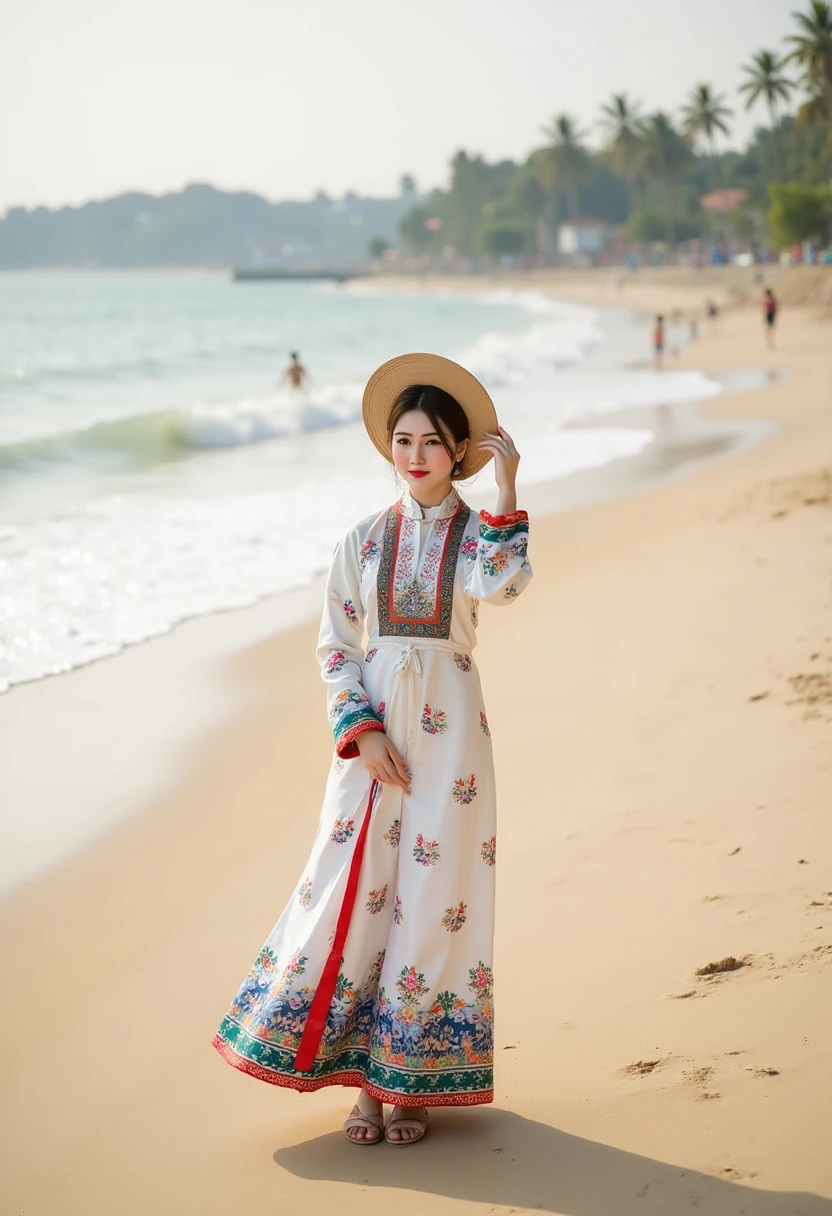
[397, 374]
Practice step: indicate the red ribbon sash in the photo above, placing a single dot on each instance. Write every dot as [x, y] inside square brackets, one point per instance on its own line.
[318, 1010]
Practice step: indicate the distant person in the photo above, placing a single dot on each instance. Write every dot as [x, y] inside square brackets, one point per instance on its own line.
[658, 342]
[769, 315]
[712, 313]
[295, 373]
[694, 329]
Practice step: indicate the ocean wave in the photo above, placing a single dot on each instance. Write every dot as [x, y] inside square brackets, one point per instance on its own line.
[162, 434]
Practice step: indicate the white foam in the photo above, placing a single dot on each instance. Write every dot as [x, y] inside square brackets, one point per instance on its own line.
[123, 569]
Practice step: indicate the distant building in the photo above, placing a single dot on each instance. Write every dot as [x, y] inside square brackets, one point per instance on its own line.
[582, 237]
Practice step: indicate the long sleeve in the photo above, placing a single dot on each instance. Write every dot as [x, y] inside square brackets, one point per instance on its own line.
[340, 652]
[501, 568]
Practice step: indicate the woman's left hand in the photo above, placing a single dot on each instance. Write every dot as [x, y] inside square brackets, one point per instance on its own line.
[506, 457]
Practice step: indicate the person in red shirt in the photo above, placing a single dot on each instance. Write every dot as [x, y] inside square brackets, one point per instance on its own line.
[769, 315]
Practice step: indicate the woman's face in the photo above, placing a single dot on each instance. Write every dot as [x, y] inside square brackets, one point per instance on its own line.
[419, 454]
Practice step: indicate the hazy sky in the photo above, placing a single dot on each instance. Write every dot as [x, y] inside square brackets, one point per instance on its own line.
[288, 96]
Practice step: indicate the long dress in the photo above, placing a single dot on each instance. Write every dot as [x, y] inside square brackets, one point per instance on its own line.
[379, 971]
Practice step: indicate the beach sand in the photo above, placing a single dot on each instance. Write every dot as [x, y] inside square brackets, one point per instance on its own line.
[661, 705]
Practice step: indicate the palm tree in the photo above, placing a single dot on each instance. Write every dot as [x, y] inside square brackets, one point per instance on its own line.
[566, 163]
[765, 79]
[812, 49]
[663, 155]
[623, 126]
[704, 115]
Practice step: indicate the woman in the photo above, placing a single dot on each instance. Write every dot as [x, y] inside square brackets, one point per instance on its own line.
[379, 972]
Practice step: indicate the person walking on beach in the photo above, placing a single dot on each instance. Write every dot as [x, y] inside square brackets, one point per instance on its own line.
[769, 315]
[295, 373]
[379, 973]
[658, 343]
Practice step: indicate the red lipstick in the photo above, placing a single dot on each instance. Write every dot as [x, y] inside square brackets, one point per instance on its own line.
[417, 473]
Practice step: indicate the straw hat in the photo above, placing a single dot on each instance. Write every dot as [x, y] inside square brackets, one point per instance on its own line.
[397, 374]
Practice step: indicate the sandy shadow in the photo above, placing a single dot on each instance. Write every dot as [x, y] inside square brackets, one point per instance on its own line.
[498, 1158]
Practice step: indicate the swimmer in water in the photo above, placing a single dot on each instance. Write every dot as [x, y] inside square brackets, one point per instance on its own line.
[295, 373]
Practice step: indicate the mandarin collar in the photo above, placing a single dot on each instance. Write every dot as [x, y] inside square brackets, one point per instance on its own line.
[410, 507]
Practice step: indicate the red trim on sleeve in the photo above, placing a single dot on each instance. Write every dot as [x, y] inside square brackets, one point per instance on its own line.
[504, 521]
[346, 747]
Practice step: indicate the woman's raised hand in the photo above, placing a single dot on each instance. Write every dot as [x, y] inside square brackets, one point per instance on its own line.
[381, 759]
[506, 460]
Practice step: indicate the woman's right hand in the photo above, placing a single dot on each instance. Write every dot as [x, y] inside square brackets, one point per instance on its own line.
[381, 759]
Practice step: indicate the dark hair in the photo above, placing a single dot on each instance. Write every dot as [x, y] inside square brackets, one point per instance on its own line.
[293, 354]
[439, 406]
[660, 317]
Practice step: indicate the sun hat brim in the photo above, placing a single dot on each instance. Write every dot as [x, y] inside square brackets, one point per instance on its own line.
[397, 374]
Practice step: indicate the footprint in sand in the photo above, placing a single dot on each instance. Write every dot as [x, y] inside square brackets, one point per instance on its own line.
[642, 1068]
[697, 1079]
[722, 967]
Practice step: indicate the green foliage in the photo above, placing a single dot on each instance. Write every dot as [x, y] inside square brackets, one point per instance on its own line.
[197, 226]
[378, 247]
[812, 49]
[800, 213]
[506, 237]
[649, 227]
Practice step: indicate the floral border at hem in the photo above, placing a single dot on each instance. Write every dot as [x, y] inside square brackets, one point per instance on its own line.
[345, 746]
[350, 1077]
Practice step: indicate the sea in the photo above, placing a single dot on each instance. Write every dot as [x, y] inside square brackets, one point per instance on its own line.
[153, 467]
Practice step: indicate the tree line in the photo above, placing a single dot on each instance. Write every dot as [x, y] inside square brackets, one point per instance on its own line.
[653, 168]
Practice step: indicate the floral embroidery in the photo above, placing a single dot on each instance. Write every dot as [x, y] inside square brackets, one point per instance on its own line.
[412, 600]
[305, 893]
[397, 911]
[417, 600]
[336, 661]
[338, 764]
[463, 661]
[370, 655]
[468, 548]
[519, 547]
[369, 552]
[349, 612]
[475, 613]
[488, 852]
[377, 900]
[465, 790]
[295, 966]
[394, 833]
[426, 852]
[411, 985]
[455, 918]
[481, 980]
[266, 959]
[346, 700]
[511, 592]
[434, 721]
[484, 727]
[382, 708]
[495, 563]
[342, 830]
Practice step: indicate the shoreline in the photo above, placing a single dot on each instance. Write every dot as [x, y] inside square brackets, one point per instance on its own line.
[202, 650]
[661, 738]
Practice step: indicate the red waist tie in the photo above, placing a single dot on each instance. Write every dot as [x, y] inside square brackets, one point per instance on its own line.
[318, 1010]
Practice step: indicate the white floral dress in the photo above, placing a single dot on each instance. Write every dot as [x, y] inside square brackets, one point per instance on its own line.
[379, 971]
